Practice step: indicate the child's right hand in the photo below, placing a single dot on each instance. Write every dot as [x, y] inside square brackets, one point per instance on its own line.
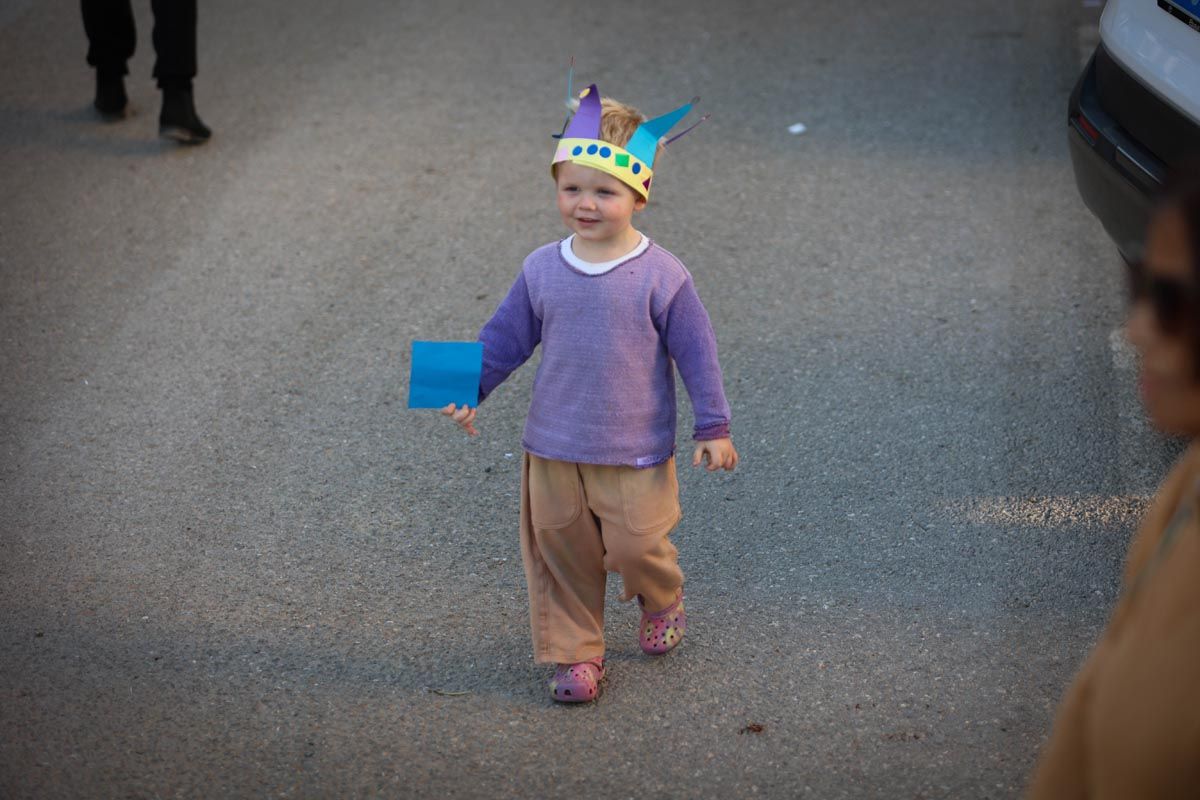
[464, 416]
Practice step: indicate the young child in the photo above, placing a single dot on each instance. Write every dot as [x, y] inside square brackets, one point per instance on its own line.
[613, 312]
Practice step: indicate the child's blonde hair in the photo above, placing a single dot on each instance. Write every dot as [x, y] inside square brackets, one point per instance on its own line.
[618, 121]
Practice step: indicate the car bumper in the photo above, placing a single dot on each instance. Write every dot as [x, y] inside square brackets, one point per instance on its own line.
[1117, 175]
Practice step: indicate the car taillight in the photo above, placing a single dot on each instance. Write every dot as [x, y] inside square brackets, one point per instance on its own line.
[1088, 128]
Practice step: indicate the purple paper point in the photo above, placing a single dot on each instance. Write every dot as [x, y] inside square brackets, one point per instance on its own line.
[586, 122]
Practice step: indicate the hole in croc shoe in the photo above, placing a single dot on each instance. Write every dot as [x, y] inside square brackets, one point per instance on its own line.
[567, 692]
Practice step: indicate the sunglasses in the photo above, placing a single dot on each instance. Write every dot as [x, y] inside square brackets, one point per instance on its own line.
[1174, 302]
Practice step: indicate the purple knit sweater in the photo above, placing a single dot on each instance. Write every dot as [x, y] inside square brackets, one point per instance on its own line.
[604, 392]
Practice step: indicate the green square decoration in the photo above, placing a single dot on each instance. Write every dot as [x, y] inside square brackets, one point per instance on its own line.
[622, 160]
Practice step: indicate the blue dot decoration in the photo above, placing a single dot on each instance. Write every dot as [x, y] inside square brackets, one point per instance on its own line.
[592, 149]
[578, 149]
[605, 152]
[636, 168]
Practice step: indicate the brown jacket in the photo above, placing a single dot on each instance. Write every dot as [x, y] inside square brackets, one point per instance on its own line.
[1129, 727]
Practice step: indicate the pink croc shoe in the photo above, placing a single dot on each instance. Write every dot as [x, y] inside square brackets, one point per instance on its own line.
[662, 630]
[577, 683]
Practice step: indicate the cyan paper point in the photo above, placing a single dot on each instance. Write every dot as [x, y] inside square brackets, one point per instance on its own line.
[644, 142]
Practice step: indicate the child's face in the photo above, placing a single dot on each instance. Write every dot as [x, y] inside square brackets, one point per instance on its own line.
[594, 204]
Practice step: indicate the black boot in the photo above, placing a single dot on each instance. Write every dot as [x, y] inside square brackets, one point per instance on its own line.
[110, 94]
[178, 120]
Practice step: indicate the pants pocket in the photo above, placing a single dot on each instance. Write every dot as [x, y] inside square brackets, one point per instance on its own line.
[650, 498]
[554, 494]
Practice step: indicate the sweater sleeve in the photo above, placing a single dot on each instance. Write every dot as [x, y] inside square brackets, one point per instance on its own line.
[1062, 769]
[685, 327]
[509, 337]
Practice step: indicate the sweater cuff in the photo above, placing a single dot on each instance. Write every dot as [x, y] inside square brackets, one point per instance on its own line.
[718, 431]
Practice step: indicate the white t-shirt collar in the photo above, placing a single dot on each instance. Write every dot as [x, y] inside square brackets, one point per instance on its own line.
[593, 268]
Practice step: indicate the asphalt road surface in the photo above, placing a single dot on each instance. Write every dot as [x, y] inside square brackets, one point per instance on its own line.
[233, 564]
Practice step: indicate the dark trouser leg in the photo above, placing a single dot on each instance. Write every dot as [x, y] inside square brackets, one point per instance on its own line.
[111, 35]
[175, 66]
[174, 43]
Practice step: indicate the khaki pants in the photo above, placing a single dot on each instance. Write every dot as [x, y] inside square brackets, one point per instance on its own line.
[580, 522]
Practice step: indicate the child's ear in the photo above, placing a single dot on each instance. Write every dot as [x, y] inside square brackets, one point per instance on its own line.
[639, 203]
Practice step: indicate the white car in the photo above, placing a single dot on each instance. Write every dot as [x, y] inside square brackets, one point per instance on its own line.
[1134, 116]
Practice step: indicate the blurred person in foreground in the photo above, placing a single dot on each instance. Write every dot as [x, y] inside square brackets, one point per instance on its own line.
[1129, 727]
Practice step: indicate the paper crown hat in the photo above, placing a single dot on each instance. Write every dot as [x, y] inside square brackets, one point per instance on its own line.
[632, 164]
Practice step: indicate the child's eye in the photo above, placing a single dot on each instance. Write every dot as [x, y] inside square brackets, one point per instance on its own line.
[605, 191]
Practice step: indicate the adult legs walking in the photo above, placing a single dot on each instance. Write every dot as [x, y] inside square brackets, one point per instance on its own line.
[112, 38]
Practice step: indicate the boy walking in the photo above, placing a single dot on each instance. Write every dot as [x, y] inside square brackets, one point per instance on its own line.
[615, 315]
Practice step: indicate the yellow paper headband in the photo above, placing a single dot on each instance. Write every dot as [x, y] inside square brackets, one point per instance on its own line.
[616, 161]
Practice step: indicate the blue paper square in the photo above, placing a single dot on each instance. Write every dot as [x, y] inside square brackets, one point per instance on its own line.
[444, 373]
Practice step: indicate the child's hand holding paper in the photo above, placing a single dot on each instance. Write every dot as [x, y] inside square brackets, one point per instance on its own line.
[464, 416]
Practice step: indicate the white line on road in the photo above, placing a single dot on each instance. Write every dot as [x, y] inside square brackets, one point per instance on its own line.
[1052, 512]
